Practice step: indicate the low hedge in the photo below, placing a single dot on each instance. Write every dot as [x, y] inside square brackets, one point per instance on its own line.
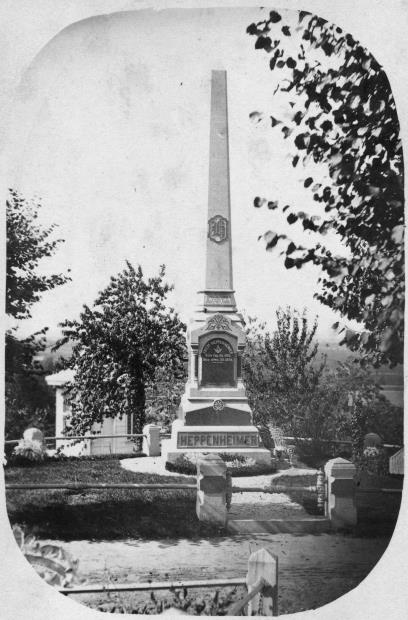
[238, 465]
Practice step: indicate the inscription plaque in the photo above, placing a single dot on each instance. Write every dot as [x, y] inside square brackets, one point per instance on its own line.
[217, 440]
[217, 363]
[220, 300]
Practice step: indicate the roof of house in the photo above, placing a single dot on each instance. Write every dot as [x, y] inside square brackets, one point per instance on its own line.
[60, 378]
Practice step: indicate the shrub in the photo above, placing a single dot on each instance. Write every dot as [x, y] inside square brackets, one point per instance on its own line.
[373, 460]
[182, 465]
[179, 600]
[51, 562]
[238, 464]
[28, 452]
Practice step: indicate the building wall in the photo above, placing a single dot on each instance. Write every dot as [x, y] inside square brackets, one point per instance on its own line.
[94, 447]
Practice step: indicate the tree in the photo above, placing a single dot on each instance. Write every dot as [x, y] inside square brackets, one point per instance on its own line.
[355, 390]
[163, 395]
[28, 398]
[29, 401]
[290, 386]
[28, 242]
[282, 374]
[118, 345]
[345, 122]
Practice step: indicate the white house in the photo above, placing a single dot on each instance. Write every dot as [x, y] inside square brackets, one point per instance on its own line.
[110, 426]
[397, 463]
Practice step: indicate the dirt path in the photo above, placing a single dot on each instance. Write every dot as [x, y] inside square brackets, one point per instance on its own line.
[313, 570]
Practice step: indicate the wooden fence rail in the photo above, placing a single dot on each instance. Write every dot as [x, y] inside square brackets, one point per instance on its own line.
[153, 585]
[80, 437]
[347, 442]
[261, 581]
[78, 486]
[377, 490]
[278, 488]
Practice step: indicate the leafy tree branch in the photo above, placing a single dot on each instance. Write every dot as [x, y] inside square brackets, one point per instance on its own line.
[343, 118]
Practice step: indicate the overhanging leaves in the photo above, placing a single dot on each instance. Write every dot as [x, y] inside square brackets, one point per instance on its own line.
[352, 129]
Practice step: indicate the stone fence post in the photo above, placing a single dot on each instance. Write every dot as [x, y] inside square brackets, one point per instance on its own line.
[340, 503]
[151, 440]
[211, 503]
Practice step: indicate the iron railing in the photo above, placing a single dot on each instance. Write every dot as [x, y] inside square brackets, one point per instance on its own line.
[80, 437]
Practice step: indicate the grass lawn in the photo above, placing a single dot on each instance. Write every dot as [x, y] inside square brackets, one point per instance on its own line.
[101, 514]
[118, 514]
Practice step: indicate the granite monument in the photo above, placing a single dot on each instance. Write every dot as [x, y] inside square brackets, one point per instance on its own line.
[214, 415]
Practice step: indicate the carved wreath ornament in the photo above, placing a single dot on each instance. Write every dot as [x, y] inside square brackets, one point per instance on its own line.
[218, 322]
[218, 228]
[218, 405]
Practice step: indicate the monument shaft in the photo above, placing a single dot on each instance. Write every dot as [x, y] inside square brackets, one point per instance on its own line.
[219, 250]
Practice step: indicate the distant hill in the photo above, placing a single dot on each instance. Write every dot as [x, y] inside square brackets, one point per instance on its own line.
[50, 358]
[391, 380]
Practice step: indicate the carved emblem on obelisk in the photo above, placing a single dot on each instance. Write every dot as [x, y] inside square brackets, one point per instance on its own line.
[218, 228]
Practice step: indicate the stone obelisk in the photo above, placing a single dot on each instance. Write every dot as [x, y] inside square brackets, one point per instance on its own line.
[218, 276]
[214, 414]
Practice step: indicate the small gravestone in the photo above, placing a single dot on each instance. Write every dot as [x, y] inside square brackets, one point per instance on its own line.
[372, 440]
[34, 434]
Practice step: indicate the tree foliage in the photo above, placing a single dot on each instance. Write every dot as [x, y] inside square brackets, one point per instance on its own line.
[163, 395]
[356, 392]
[282, 375]
[28, 242]
[118, 345]
[289, 385]
[342, 117]
[29, 401]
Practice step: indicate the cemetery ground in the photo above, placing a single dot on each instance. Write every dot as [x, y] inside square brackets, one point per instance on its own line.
[128, 536]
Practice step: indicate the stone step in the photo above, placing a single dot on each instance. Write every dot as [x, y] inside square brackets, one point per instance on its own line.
[304, 525]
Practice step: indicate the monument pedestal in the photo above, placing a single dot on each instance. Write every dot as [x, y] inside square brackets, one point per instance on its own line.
[214, 414]
[194, 441]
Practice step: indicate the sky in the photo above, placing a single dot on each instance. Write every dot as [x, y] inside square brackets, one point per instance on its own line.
[110, 127]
